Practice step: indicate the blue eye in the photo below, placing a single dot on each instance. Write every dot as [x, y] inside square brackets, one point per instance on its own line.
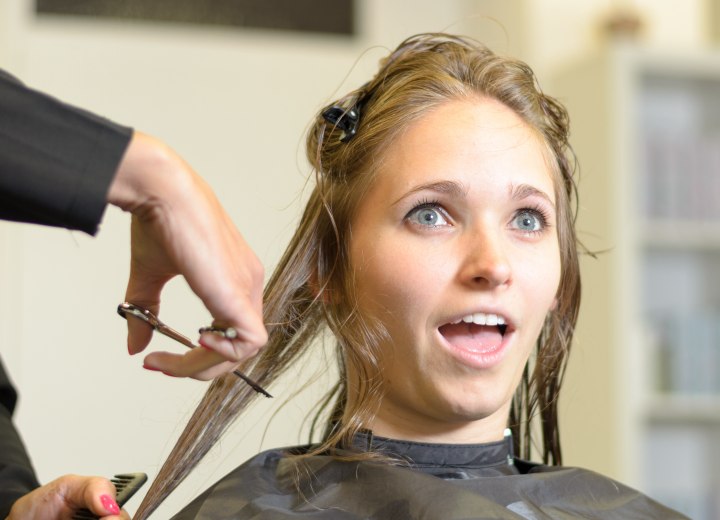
[529, 221]
[428, 215]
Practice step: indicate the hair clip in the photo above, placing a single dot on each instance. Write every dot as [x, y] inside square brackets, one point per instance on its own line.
[346, 120]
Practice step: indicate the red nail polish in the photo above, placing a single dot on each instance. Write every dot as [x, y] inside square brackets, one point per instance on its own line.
[147, 367]
[109, 504]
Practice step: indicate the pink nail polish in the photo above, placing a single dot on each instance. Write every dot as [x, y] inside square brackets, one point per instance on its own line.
[109, 504]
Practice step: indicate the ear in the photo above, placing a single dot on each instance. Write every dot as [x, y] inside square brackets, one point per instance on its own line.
[324, 296]
[322, 293]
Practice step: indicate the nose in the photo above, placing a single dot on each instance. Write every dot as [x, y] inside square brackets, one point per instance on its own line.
[485, 261]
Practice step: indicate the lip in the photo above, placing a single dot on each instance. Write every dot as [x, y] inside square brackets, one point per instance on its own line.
[481, 358]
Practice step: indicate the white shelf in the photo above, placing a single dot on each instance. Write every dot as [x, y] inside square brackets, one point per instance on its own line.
[645, 128]
[683, 409]
[682, 235]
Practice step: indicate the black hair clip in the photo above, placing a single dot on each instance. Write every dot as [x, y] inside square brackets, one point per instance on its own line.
[346, 120]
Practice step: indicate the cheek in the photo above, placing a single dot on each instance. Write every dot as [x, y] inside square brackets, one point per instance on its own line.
[551, 284]
[548, 285]
[395, 285]
[541, 278]
[397, 281]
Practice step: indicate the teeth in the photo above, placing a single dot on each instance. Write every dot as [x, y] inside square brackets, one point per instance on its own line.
[480, 318]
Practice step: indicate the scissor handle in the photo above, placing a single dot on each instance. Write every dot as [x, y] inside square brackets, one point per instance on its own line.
[148, 317]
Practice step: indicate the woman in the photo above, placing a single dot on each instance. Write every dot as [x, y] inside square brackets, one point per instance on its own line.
[438, 247]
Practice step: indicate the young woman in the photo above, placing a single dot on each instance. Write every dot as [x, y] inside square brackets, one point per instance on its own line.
[438, 248]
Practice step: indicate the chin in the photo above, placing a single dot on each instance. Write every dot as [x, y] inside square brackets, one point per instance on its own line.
[471, 410]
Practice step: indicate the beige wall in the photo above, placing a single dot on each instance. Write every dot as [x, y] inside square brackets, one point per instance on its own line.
[235, 104]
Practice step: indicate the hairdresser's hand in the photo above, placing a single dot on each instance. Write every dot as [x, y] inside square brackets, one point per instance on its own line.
[62, 498]
[180, 228]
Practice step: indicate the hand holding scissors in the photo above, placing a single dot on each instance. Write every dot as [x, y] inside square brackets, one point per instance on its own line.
[125, 309]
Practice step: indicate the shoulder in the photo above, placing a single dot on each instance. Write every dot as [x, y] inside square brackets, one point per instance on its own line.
[246, 488]
[584, 490]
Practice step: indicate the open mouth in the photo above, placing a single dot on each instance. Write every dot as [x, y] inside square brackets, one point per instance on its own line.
[476, 333]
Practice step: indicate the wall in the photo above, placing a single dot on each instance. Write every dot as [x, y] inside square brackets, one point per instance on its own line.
[235, 104]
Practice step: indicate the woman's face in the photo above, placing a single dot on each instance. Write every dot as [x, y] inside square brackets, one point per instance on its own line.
[455, 251]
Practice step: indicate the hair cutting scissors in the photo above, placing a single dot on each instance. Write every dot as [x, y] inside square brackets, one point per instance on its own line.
[125, 309]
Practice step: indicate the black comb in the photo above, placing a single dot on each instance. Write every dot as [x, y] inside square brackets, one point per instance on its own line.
[126, 485]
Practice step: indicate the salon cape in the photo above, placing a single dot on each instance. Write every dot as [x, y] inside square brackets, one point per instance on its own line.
[439, 481]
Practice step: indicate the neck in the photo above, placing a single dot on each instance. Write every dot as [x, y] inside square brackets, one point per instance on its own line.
[398, 424]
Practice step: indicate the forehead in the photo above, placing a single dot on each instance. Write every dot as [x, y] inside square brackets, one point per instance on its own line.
[469, 141]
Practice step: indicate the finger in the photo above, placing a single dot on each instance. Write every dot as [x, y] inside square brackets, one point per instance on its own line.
[231, 286]
[216, 371]
[252, 331]
[236, 349]
[65, 495]
[139, 335]
[239, 310]
[139, 332]
[191, 364]
[123, 515]
[144, 289]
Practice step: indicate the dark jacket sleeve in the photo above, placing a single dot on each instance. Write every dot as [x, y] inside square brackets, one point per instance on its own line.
[56, 161]
[17, 476]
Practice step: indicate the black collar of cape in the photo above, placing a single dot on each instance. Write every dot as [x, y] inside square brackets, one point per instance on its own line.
[427, 454]
[443, 460]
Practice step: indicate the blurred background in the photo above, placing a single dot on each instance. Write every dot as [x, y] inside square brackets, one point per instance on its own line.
[232, 86]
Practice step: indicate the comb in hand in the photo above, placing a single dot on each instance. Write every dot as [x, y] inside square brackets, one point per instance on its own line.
[126, 485]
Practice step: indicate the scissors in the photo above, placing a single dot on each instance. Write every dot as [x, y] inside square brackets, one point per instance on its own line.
[125, 309]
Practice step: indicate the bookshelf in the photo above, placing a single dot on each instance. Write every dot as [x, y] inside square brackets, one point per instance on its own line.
[646, 129]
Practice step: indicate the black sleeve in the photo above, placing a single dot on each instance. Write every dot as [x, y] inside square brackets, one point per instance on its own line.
[17, 476]
[56, 161]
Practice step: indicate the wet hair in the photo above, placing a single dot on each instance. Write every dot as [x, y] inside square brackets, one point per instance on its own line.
[312, 289]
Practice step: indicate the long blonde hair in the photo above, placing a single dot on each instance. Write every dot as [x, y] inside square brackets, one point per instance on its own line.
[312, 288]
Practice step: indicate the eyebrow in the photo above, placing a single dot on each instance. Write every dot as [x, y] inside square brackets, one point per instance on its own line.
[451, 188]
[519, 192]
[524, 191]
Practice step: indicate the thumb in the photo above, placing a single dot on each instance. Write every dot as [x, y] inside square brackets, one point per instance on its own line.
[94, 493]
[64, 496]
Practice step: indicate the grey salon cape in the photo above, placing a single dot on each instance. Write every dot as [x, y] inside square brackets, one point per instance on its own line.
[436, 481]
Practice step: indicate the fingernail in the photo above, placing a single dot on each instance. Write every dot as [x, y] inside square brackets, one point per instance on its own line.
[148, 367]
[168, 374]
[203, 345]
[109, 504]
